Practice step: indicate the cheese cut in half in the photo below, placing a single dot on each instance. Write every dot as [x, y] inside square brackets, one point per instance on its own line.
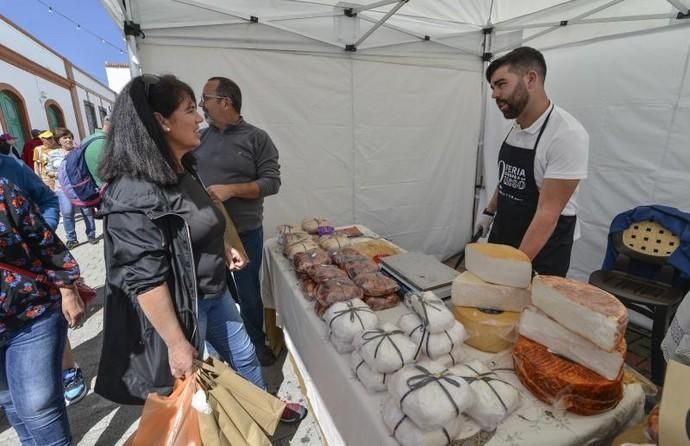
[499, 264]
[490, 331]
[585, 309]
[562, 383]
[559, 340]
[470, 291]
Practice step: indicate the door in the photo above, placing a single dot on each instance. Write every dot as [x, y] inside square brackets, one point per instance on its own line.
[53, 118]
[10, 110]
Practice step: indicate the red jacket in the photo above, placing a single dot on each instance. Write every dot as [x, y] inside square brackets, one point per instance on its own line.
[28, 151]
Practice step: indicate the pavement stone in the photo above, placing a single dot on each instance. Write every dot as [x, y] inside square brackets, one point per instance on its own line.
[96, 421]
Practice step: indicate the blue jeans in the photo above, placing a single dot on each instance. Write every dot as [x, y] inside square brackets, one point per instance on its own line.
[220, 324]
[249, 286]
[67, 210]
[31, 389]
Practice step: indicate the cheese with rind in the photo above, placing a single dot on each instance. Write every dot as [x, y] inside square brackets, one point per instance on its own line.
[585, 309]
[469, 290]
[499, 264]
[559, 340]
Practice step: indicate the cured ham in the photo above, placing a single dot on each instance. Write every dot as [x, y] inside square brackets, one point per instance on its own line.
[585, 309]
[499, 264]
[563, 383]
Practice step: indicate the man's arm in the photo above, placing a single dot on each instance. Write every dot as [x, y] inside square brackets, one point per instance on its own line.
[553, 197]
[40, 194]
[223, 192]
[493, 203]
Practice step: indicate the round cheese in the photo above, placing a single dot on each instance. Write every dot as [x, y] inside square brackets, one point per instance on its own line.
[488, 330]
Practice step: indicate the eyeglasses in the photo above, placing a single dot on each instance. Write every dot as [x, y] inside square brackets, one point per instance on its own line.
[206, 97]
[148, 80]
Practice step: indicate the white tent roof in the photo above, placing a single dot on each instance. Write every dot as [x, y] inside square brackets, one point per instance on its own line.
[372, 26]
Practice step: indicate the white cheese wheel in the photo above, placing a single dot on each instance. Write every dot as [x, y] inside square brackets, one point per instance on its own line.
[470, 291]
[499, 264]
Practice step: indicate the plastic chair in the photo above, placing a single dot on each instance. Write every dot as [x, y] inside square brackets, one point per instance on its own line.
[645, 242]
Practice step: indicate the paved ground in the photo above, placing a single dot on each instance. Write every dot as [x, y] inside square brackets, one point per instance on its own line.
[96, 421]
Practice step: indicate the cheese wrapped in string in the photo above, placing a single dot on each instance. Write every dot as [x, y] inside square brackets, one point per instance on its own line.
[407, 433]
[349, 319]
[432, 345]
[385, 349]
[431, 309]
[372, 380]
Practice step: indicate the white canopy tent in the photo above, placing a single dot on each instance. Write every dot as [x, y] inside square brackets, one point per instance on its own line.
[379, 108]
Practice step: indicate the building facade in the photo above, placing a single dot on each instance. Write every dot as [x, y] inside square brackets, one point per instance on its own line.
[40, 89]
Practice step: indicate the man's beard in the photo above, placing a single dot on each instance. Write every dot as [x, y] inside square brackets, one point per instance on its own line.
[208, 118]
[516, 103]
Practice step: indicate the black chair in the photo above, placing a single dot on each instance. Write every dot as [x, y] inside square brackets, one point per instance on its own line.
[650, 243]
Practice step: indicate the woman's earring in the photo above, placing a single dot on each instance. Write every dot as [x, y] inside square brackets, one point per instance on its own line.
[167, 129]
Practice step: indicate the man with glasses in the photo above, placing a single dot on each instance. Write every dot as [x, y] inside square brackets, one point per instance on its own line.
[239, 164]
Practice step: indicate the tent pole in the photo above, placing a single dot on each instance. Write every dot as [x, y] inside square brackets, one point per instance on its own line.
[134, 64]
[383, 20]
[679, 6]
[371, 6]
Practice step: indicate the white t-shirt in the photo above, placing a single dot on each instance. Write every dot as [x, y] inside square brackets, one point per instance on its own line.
[562, 152]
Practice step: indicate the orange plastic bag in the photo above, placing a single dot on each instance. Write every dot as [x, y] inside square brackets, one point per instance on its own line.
[169, 420]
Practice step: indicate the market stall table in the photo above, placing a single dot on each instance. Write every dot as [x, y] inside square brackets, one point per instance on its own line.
[349, 415]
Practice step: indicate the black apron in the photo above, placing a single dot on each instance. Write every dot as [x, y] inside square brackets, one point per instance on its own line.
[518, 196]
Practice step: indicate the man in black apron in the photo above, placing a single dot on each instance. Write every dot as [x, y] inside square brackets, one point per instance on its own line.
[527, 216]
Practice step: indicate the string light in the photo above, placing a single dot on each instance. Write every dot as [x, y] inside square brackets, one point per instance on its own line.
[78, 26]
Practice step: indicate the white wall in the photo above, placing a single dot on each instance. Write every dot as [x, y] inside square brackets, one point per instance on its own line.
[31, 88]
[117, 77]
[24, 45]
[388, 145]
[89, 83]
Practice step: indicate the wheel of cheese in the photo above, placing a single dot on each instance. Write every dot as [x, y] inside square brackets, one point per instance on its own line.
[488, 330]
[563, 383]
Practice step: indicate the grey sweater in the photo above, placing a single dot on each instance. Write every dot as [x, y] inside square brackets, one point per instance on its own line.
[241, 153]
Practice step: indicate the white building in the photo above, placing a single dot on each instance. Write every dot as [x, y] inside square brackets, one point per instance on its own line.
[118, 75]
[40, 89]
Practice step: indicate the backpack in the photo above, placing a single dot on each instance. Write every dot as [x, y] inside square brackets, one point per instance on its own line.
[77, 183]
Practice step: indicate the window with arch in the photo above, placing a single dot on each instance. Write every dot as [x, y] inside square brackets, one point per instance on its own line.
[56, 118]
[13, 116]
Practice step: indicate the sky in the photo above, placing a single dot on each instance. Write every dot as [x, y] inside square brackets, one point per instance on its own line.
[80, 47]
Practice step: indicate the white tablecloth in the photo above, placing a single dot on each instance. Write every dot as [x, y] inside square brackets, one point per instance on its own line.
[349, 415]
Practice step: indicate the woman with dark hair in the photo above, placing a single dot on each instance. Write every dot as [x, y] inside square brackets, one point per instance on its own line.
[34, 316]
[165, 290]
[65, 140]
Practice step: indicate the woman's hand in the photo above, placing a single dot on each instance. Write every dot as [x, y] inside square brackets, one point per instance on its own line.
[234, 259]
[181, 357]
[72, 306]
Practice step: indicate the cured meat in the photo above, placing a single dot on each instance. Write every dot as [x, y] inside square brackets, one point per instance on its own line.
[360, 266]
[494, 398]
[499, 264]
[563, 383]
[337, 290]
[333, 242]
[585, 309]
[376, 284]
[433, 345]
[385, 349]
[490, 331]
[378, 303]
[312, 225]
[350, 319]
[407, 433]
[295, 248]
[470, 291]
[308, 287]
[345, 255]
[559, 340]
[372, 380]
[322, 273]
[431, 309]
[303, 261]
[430, 394]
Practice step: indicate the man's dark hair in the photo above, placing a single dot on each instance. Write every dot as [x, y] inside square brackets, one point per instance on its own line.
[519, 61]
[229, 88]
[136, 145]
